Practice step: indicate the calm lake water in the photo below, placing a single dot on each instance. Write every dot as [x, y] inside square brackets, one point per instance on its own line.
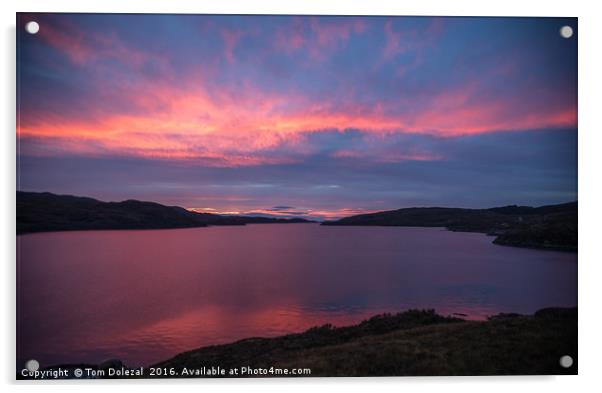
[144, 296]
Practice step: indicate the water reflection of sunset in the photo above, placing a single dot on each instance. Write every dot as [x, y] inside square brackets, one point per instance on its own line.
[144, 296]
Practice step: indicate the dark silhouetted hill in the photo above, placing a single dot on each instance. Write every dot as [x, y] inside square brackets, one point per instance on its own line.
[553, 226]
[42, 212]
[415, 342]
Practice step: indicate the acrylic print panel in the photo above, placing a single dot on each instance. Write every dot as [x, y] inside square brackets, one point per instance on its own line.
[275, 196]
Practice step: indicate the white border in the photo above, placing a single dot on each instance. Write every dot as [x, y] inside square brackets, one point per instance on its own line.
[335, 7]
[590, 64]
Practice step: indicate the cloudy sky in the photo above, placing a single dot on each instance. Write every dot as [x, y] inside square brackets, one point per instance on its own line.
[307, 116]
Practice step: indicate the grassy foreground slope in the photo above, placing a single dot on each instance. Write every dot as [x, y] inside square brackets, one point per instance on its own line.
[414, 343]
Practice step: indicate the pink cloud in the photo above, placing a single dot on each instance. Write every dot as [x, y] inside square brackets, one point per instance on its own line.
[329, 33]
[85, 47]
[246, 127]
[394, 41]
[387, 157]
[317, 35]
[399, 40]
[231, 40]
[293, 37]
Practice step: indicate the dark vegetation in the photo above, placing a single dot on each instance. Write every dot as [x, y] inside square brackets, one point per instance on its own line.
[410, 343]
[42, 212]
[415, 342]
[553, 226]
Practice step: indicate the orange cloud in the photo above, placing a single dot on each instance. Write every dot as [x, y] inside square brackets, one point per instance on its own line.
[226, 129]
[246, 126]
[321, 214]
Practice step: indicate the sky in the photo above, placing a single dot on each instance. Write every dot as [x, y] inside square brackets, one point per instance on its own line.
[307, 116]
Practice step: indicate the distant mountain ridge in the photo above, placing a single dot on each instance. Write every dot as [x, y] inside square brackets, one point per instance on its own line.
[43, 212]
[551, 226]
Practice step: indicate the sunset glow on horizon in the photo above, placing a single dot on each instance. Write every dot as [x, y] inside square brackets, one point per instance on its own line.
[317, 117]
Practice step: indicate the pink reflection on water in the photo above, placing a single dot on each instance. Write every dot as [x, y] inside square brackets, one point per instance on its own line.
[215, 325]
[144, 296]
